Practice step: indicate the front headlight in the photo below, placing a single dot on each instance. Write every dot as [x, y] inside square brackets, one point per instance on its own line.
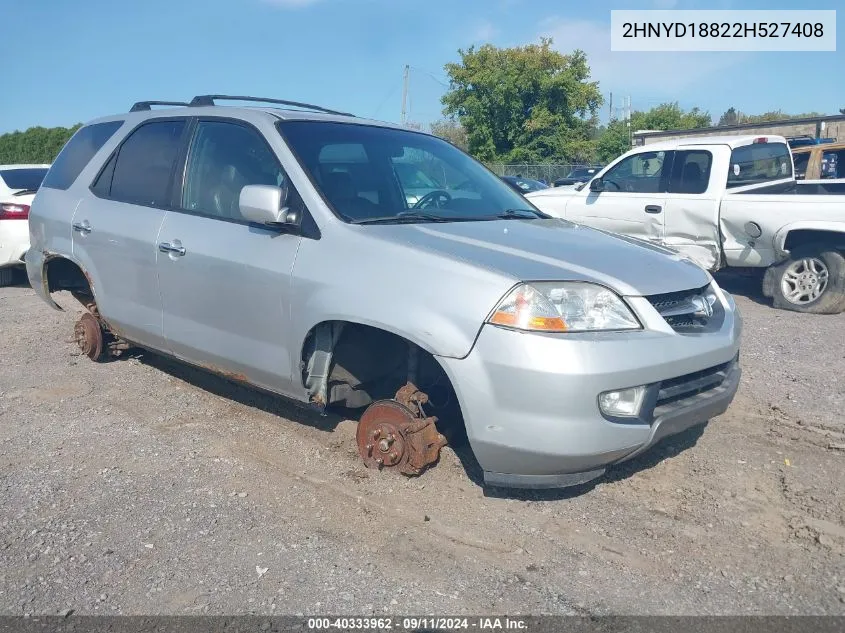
[563, 307]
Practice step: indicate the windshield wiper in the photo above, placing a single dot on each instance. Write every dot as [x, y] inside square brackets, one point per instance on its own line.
[521, 214]
[25, 192]
[409, 218]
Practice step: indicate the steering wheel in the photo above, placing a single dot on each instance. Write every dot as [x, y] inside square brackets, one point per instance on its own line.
[433, 198]
[612, 182]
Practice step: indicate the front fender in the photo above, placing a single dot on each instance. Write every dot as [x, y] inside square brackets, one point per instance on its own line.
[436, 302]
[779, 239]
[428, 328]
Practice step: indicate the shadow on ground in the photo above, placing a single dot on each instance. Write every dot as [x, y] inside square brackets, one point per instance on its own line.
[246, 395]
[745, 284]
[666, 448]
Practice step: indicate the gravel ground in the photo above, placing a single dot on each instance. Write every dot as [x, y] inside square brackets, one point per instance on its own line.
[144, 487]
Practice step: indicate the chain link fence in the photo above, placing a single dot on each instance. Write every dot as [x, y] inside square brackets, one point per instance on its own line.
[547, 173]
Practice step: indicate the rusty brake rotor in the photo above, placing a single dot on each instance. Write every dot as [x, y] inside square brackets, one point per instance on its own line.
[89, 336]
[394, 434]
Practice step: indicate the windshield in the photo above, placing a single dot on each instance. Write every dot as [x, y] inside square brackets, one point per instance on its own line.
[524, 184]
[581, 172]
[411, 177]
[374, 173]
[759, 162]
[26, 178]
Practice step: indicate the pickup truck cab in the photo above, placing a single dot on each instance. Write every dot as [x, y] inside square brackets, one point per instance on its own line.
[722, 202]
[232, 239]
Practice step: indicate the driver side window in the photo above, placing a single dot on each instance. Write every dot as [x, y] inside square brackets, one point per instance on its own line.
[640, 173]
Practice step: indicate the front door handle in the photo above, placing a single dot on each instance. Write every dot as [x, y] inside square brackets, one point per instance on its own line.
[83, 227]
[173, 249]
[653, 208]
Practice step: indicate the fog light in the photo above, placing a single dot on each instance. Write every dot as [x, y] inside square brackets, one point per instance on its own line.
[623, 403]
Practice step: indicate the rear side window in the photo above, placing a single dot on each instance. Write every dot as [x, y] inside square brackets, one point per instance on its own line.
[801, 161]
[690, 172]
[77, 153]
[143, 169]
[833, 164]
[758, 163]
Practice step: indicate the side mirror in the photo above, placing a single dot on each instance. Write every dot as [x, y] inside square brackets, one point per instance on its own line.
[597, 185]
[265, 204]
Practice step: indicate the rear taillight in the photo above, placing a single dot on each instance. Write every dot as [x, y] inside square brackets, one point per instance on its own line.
[12, 211]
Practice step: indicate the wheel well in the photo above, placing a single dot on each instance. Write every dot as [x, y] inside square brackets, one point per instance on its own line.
[803, 237]
[61, 273]
[352, 365]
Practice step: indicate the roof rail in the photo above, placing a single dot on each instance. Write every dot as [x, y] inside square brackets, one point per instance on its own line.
[145, 105]
[208, 100]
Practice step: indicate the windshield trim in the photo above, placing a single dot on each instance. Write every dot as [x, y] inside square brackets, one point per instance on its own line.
[280, 128]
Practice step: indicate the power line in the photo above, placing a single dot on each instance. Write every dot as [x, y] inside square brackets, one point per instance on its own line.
[431, 75]
[385, 100]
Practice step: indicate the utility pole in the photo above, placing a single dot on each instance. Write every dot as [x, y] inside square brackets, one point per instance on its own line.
[405, 81]
[610, 109]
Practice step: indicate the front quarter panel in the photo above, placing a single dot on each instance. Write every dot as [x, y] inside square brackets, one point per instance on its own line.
[351, 275]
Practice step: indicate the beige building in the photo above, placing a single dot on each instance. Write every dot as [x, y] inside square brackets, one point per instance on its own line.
[817, 127]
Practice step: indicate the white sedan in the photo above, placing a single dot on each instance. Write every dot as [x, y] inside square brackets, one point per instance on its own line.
[18, 184]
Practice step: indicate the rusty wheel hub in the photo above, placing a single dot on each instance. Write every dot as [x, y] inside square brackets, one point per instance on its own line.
[394, 434]
[89, 336]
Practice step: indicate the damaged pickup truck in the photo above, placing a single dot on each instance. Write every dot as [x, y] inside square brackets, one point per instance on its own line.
[278, 247]
[723, 202]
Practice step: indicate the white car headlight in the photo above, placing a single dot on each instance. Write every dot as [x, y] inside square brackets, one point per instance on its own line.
[567, 306]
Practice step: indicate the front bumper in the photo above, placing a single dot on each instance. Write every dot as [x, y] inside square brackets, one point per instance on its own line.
[530, 401]
[14, 242]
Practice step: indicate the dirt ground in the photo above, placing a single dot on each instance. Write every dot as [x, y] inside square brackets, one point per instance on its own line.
[144, 487]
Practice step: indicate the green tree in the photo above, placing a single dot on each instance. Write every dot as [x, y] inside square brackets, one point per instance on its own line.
[451, 131]
[35, 145]
[613, 142]
[730, 117]
[733, 116]
[525, 104]
[669, 116]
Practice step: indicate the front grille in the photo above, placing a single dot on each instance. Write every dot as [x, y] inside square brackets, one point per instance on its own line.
[686, 311]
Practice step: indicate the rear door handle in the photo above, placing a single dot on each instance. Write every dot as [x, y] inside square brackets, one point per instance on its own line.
[174, 249]
[83, 227]
[653, 208]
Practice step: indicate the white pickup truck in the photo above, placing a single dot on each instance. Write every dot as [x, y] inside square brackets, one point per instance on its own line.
[723, 201]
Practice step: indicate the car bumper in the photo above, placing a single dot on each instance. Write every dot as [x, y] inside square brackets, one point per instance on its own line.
[530, 401]
[14, 242]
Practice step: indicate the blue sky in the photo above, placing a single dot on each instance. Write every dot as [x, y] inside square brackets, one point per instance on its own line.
[74, 61]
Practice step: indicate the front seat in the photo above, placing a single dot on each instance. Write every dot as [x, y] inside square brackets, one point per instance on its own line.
[691, 178]
[340, 190]
[225, 194]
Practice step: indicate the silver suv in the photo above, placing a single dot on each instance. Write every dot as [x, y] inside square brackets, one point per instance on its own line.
[279, 246]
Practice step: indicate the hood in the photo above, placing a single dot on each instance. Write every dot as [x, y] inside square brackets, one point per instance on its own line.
[563, 190]
[554, 250]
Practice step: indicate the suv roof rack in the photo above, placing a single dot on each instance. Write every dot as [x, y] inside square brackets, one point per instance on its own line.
[208, 100]
[145, 105]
